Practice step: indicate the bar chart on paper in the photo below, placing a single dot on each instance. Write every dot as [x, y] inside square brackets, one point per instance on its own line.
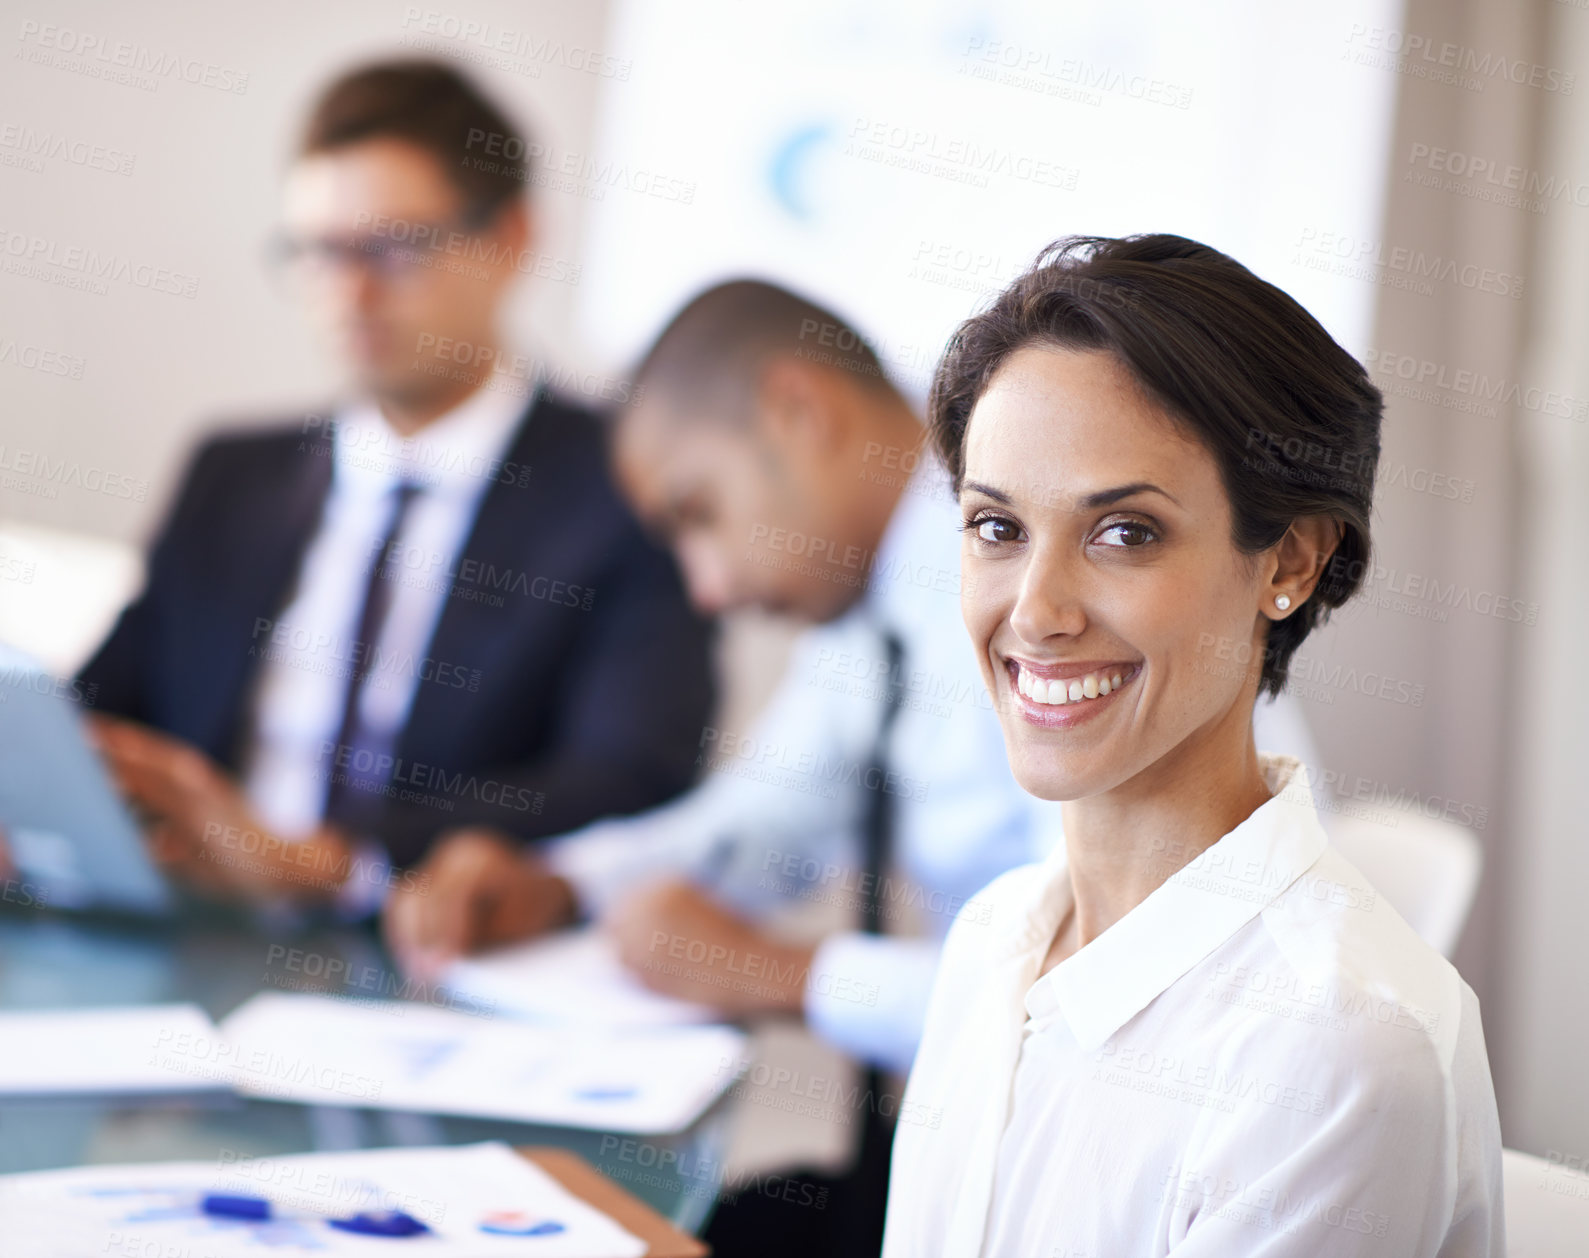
[459, 1202]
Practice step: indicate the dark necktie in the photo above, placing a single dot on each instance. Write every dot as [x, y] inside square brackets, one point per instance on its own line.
[867, 1184]
[877, 832]
[353, 799]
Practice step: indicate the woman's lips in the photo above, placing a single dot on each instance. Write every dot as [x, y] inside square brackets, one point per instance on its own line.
[1066, 694]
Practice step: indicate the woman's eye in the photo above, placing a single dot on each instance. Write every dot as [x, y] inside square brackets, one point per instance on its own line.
[994, 528]
[1127, 534]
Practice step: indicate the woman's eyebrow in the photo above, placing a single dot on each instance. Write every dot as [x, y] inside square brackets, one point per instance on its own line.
[1107, 497]
[1102, 498]
[998, 495]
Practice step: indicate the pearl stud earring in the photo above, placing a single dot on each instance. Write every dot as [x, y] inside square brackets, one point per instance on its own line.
[1282, 601]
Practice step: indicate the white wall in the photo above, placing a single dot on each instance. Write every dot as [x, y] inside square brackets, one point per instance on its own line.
[147, 369]
[902, 160]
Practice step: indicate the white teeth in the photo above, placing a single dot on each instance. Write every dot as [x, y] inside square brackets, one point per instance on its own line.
[1056, 693]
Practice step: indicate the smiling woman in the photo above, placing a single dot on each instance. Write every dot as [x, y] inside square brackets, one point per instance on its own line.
[1195, 1029]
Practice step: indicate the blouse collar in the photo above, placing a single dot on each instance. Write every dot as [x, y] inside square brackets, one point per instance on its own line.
[1196, 910]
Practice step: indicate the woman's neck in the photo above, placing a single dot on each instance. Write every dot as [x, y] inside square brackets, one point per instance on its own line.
[1122, 845]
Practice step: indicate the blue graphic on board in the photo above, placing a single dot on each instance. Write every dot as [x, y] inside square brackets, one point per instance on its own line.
[788, 174]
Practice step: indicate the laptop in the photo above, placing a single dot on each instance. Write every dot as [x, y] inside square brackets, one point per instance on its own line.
[68, 831]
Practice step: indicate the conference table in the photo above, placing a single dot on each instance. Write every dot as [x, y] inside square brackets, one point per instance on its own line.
[54, 960]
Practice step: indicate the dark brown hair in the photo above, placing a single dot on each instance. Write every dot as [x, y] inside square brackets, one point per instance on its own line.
[432, 106]
[1291, 418]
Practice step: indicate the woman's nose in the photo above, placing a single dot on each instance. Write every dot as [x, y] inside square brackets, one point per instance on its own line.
[1048, 602]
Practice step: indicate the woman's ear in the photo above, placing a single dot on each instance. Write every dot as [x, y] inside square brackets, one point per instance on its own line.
[1300, 557]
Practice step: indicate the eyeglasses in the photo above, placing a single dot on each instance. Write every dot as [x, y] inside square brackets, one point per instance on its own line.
[408, 250]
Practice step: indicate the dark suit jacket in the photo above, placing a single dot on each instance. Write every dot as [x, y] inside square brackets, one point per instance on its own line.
[583, 694]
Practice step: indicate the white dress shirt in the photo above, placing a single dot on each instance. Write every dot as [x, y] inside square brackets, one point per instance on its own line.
[309, 652]
[1262, 1058]
[779, 814]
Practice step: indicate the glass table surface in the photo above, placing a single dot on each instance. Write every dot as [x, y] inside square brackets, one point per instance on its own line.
[51, 960]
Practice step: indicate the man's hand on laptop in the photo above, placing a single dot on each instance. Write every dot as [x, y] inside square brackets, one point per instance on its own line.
[678, 940]
[201, 827]
[475, 890]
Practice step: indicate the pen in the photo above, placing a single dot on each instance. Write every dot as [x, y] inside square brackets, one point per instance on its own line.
[365, 1223]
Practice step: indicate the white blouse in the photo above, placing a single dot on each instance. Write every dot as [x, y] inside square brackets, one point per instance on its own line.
[1261, 1058]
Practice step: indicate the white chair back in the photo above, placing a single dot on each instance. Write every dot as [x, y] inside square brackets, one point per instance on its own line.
[1547, 1206]
[60, 592]
[1427, 867]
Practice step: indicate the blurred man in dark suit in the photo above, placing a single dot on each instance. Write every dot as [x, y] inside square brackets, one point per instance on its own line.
[375, 634]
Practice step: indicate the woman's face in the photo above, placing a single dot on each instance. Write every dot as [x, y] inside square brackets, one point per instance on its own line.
[1098, 560]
